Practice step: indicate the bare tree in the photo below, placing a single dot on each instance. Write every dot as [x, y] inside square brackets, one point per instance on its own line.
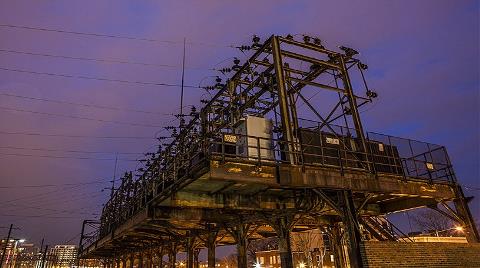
[431, 221]
[306, 242]
[230, 261]
[255, 246]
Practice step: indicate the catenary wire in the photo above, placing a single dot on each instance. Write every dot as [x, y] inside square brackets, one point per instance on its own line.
[75, 136]
[96, 78]
[67, 151]
[120, 61]
[79, 117]
[82, 104]
[109, 35]
[67, 157]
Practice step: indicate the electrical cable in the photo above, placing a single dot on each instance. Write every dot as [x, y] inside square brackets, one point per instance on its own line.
[75, 136]
[66, 157]
[95, 78]
[83, 104]
[66, 151]
[52, 185]
[121, 61]
[80, 117]
[109, 35]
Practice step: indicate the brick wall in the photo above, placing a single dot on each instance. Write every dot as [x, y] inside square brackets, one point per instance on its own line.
[398, 254]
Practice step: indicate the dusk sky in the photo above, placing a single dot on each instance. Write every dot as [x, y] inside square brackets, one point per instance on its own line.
[423, 59]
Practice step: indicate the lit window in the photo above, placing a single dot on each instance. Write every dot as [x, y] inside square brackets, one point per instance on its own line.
[262, 260]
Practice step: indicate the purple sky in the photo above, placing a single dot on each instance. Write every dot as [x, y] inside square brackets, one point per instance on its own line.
[423, 59]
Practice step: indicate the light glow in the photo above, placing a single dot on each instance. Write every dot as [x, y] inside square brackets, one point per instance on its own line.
[459, 228]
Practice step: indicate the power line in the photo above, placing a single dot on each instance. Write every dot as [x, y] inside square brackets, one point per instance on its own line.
[121, 61]
[55, 210]
[47, 216]
[52, 185]
[75, 136]
[65, 157]
[109, 35]
[66, 151]
[41, 195]
[82, 104]
[80, 117]
[95, 78]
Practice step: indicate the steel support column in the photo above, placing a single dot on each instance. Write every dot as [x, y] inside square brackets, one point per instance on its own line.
[190, 244]
[196, 263]
[463, 210]
[335, 235]
[241, 234]
[353, 105]
[131, 260]
[282, 227]
[211, 244]
[140, 261]
[352, 229]
[172, 257]
[283, 99]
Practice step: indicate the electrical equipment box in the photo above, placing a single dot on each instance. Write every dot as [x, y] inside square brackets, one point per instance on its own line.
[254, 138]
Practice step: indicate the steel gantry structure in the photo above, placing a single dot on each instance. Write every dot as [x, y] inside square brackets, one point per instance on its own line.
[260, 159]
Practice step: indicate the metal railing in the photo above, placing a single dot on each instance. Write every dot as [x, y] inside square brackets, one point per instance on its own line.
[409, 159]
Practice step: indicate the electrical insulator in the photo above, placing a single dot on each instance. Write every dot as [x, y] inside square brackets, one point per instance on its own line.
[371, 94]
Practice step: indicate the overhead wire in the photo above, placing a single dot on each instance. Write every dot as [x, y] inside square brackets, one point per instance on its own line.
[51, 185]
[120, 61]
[74, 136]
[95, 78]
[82, 104]
[67, 151]
[39, 196]
[115, 36]
[80, 117]
[68, 157]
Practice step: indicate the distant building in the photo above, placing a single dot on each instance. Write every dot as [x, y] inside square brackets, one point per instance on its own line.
[62, 256]
[19, 254]
[271, 259]
[309, 249]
